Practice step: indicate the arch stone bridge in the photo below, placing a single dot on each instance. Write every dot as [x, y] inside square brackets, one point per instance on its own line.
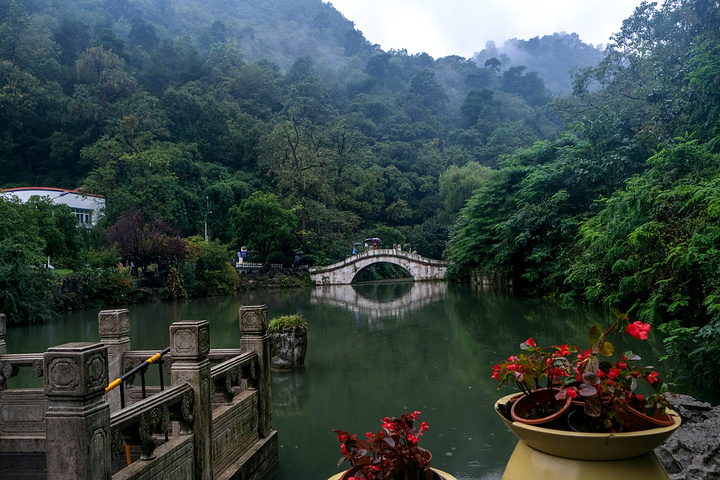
[342, 273]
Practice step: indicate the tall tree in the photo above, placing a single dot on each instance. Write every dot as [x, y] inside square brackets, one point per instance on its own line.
[261, 223]
[145, 242]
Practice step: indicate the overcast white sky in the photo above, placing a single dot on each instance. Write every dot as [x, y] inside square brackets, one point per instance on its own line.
[462, 27]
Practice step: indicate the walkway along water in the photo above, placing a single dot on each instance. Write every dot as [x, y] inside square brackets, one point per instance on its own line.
[217, 411]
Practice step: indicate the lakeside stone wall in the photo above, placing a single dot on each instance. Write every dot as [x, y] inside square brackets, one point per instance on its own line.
[693, 451]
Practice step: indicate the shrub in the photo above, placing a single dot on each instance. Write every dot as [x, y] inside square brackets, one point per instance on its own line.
[283, 322]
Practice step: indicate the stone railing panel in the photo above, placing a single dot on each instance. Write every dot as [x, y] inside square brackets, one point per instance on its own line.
[227, 377]
[10, 365]
[139, 423]
[235, 430]
[22, 420]
[175, 459]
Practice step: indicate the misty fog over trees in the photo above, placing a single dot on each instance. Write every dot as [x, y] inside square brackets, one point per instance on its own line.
[598, 187]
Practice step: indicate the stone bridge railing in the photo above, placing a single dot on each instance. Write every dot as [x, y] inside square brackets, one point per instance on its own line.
[214, 421]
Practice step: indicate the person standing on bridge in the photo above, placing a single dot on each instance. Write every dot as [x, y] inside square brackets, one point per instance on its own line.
[354, 251]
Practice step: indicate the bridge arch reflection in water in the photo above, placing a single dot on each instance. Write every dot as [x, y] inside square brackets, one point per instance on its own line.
[413, 296]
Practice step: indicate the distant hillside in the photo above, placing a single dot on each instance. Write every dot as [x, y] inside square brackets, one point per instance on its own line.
[276, 30]
[552, 56]
[279, 31]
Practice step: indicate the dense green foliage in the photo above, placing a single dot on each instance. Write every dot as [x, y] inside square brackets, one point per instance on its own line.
[181, 109]
[621, 210]
[29, 233]
[272, 124]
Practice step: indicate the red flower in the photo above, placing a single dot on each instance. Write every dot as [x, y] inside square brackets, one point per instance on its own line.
[652, 378]
[584, 355]
[614, 373]
[387, 423]
[530, 342]
[423, 426]
[622, 365]
[638, 330]
[572, 392]
[415, 414]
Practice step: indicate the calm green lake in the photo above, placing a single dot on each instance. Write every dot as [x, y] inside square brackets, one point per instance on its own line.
[373, 351]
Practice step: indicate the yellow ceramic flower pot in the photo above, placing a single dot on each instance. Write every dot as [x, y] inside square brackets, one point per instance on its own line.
[443, 475]
[558, 454]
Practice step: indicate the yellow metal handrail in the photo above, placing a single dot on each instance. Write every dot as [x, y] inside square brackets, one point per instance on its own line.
[118, 381]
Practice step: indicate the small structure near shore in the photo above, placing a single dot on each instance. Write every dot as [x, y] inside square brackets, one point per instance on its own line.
[288, 342]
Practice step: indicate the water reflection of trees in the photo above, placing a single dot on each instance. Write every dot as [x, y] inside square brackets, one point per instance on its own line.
[490, 325]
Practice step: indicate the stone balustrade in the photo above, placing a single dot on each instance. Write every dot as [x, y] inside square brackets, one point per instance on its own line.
[213, 421]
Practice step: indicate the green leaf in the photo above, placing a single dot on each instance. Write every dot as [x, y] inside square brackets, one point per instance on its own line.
[607, 349]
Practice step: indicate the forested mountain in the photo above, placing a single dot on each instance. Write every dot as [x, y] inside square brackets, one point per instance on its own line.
[177, 108]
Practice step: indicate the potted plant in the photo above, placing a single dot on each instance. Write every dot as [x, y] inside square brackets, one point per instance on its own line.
[605, 394]
[288, 341]
[538, 372]
[393, 453]
[608, 390]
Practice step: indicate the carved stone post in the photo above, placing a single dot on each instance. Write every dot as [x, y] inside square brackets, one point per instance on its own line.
[253, 325]
[3, 329]
[77, 420]
[189, 347]
[114, 328]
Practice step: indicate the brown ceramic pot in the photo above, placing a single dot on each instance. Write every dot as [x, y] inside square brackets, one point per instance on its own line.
[522, 407]
[640, 421]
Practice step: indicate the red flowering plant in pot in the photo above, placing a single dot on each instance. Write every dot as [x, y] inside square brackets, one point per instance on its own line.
[391, 453]
[608, 390]
[540, 373]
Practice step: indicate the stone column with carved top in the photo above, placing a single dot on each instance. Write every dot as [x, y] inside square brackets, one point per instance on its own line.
[3, 330]
[253, 325]
[77, 421]
[114, 328]
[189, 347]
